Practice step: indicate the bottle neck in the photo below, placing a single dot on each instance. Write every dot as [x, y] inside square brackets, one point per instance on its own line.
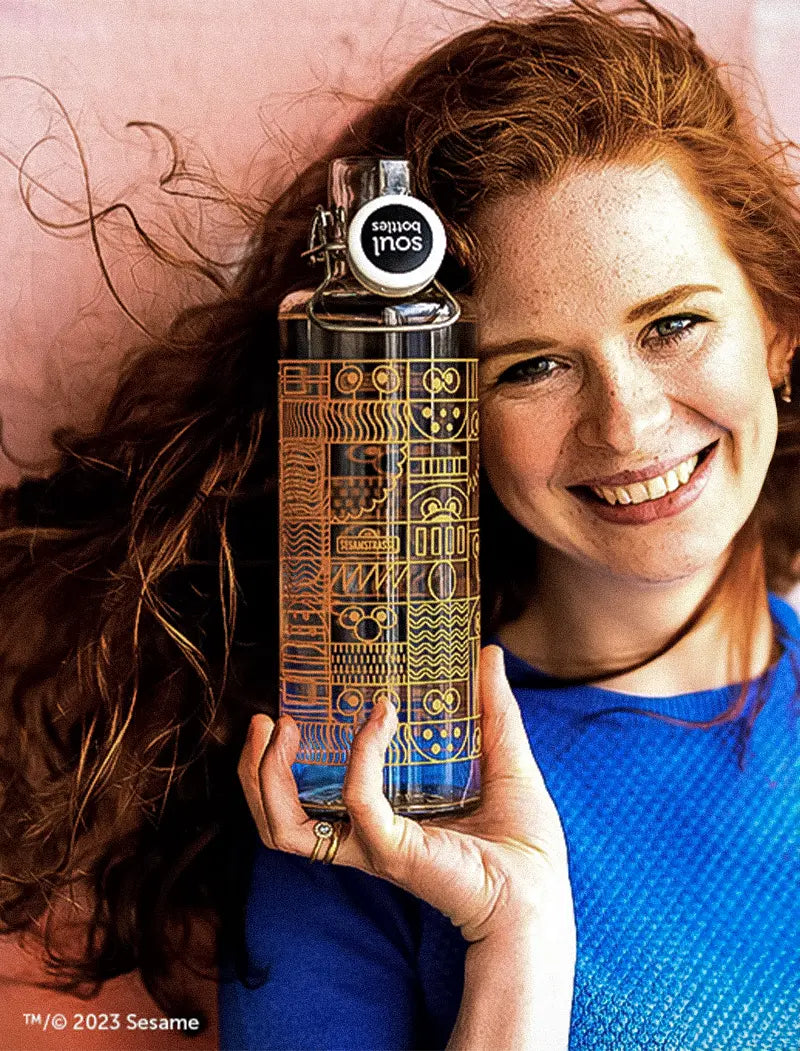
[353, 181]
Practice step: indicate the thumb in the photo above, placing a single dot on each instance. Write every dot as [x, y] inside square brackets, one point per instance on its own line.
[505, 748]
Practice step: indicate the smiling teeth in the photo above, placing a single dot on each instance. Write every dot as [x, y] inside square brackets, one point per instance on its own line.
[651, 488]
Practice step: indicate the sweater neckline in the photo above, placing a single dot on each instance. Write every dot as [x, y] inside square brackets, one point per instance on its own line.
[698, 706]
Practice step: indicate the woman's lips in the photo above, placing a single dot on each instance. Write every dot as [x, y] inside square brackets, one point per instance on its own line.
[625, 478]
[651, 510]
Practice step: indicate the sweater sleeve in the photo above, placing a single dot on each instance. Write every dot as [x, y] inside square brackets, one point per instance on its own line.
[339, 951]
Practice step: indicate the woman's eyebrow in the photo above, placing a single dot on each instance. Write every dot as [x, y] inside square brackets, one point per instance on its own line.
[516, 346]
[646, 308]
[666, 299]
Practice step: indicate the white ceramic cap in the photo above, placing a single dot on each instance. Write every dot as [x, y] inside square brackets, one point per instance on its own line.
[395, 244]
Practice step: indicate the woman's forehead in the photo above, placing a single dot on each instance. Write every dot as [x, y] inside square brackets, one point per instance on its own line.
[621, 231]
[599, 209]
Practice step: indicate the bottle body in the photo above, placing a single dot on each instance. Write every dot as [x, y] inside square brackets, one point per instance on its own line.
[379, 541]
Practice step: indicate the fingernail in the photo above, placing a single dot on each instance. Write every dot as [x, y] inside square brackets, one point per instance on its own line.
[283, 739]
[391, 716]
[378, 713]
[382, 712]
[260, 726]
[500, 656]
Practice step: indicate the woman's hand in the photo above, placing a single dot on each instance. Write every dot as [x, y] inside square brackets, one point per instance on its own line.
[499, 873]
[503, 864]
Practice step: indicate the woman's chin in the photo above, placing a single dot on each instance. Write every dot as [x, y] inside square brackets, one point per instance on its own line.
[655, 566]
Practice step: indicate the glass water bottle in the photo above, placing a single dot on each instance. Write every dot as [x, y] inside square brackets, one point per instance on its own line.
[379, 500]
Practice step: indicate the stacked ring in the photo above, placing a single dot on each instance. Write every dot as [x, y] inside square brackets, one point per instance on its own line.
[330, 834]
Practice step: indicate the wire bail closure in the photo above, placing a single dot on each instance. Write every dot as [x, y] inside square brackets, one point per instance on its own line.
[327, 236]
[326, 242]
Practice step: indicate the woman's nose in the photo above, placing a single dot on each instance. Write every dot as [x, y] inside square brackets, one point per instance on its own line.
[626, 403]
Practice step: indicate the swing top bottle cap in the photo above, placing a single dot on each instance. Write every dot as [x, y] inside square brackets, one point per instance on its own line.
[353, 181]
[395, 242]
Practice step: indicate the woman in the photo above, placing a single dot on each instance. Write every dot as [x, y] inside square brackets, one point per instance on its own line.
[632, 253]
[612, 215]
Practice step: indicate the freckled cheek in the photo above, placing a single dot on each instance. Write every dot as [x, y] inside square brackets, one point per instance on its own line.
[742, 402]
[518, 450]
[737, 397]
[733, 380]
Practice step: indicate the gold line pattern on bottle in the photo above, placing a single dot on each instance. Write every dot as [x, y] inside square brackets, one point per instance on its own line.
[379, 554]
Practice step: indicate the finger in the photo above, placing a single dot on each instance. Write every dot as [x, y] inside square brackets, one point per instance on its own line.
[289, 826]
[375, 824]
[281, 825]
[505, 747]
[259, 733]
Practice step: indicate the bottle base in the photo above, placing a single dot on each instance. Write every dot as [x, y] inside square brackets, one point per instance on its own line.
[419, 808]
[412, 791]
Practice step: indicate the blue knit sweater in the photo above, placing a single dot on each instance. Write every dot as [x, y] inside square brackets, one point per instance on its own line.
[684, 869]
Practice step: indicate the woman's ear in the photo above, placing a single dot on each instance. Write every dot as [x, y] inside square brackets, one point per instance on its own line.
[781, 348]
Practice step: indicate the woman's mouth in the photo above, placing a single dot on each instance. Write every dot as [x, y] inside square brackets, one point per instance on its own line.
[660, 496]
[650, 488]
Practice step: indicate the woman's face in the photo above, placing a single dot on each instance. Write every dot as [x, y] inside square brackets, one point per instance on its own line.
[628, 417]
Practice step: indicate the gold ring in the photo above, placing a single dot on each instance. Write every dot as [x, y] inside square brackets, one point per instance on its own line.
[324, 832]
[329, 833]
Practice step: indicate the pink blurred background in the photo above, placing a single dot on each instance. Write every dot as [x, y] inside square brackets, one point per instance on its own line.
[251, 87]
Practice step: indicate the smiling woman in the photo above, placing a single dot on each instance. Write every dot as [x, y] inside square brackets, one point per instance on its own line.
[628, 411]
[632, 252]
[632, 256]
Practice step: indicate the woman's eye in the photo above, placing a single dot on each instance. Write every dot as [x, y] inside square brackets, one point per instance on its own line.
[529, 371]
[671, 329]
